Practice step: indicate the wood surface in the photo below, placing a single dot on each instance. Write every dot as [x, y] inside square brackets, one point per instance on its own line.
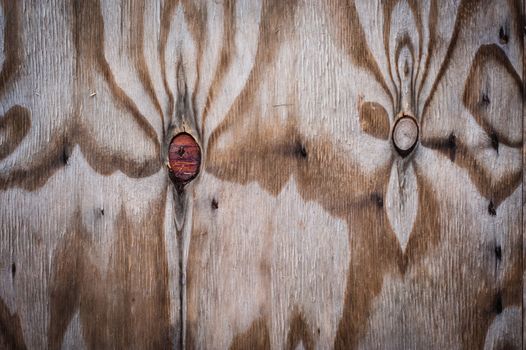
[305, 227]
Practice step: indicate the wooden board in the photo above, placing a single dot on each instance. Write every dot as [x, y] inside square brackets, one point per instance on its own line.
[306, 227]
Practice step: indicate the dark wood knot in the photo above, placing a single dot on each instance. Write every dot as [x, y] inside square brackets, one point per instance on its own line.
[184, 159]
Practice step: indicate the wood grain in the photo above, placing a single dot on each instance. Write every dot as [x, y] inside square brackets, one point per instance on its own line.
[300, 225]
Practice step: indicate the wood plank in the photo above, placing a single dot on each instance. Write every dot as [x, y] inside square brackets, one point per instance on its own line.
[89, 255]
[306, 227]
[433, 239]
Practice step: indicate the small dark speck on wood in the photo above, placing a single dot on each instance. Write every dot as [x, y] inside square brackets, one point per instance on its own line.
[214, 204]
[503, 36]
[491, 209]
[497, 305]
[377, 199]
[498, 252]
[485, 98]
[301, 151]
[452, 145]
[65, 156]
[494, 141]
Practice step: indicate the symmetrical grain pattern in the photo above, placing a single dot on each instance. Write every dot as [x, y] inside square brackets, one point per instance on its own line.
[315, 220]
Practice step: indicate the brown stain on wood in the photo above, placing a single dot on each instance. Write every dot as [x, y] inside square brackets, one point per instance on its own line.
[405, 42]
[137, 52]
[431, 46]
[167, 13]
[387, 9]
[494, 189]
[317, 165]
[374, 119]
[88, 30]
[198, 12]
[12, 48]
[464, 13]
[35, 174]
[11, 333]
[126, 306]
[490, 299]
[14, 125]
[486, 58]
[227, 51]
[255, 337]
[87, 27]
[322, 175]
[348, 33]
[299, 333]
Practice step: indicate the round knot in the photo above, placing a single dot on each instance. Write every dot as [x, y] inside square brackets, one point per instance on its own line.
[184, 158]
[405, 134]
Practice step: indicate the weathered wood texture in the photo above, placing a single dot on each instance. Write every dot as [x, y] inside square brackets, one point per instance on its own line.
[305, 227]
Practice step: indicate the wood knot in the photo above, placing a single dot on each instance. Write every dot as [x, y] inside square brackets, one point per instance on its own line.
[184, 159]
[405, 134]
